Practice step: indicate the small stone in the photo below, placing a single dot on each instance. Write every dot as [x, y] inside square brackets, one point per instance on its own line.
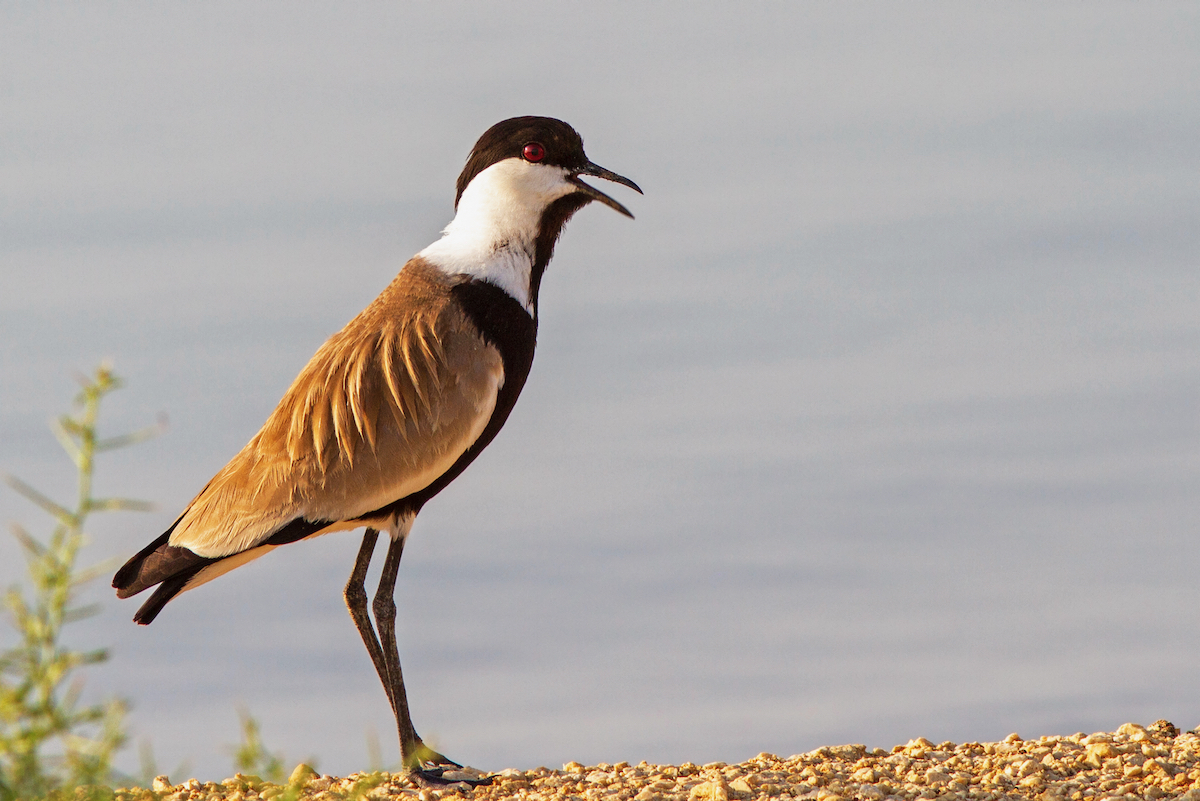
[850, 752]
[647, 794]
[161, 784]
[741, 788]
[301, 774]
[464, 774]
[1097, 752]
[252, 781]
[1164, 729]
[935, 776]
[709, 791]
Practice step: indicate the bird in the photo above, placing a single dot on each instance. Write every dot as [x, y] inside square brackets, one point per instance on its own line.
[395, 405]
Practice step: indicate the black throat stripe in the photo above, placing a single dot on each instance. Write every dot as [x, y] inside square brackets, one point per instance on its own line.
[556, 215]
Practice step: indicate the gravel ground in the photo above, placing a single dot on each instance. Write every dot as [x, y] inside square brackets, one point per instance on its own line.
[1156, 761]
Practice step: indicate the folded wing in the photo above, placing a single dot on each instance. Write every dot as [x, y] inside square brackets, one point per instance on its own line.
[382, 410]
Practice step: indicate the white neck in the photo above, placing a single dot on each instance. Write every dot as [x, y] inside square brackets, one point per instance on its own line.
[492, 236]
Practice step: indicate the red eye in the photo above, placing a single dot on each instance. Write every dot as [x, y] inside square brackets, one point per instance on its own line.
[534, 152]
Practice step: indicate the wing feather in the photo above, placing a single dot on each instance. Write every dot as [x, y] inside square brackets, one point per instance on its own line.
[318, 413]
[415, 368]
[363, 414]
[403, 403]
[338, 402]
[410, 378]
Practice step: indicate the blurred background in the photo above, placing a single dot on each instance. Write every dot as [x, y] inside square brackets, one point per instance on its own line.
[879, 421]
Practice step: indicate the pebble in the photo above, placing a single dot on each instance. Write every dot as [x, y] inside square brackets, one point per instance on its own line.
[1142, 762]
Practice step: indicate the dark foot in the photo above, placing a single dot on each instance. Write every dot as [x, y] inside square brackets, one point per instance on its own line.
[426, 757]
[429, 768]
[443, 777]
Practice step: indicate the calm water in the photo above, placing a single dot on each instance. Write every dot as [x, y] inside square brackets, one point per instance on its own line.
[879, 422]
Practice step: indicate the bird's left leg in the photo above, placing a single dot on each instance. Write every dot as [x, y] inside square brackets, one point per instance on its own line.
[418, 758]
[356, 601]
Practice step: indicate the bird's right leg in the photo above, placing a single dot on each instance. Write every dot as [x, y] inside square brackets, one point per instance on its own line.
[421, 761]
[392, 676]
[386, 658]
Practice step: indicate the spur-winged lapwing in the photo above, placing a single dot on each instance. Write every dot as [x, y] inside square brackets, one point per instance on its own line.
[395, 405]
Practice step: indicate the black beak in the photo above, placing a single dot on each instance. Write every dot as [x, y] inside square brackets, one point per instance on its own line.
[596, 194]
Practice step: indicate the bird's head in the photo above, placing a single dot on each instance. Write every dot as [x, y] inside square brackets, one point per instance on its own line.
[520, 167]
[522, 182]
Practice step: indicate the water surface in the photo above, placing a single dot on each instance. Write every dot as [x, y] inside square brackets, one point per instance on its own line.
[878, 422]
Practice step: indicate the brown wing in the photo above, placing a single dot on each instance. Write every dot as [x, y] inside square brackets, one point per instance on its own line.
[382, 409]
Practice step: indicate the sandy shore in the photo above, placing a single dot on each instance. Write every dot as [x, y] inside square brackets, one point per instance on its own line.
[1156, 761]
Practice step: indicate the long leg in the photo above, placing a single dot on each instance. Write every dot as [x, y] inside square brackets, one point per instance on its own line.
[386, 657]
[385, 619]
[418, 758]
[356, 601]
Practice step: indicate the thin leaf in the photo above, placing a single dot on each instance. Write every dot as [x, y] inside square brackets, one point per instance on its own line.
[118, 504]
[133, 437]
[69, 425]
[51, 508]
[80, 613]
[94, 572]
[34, 548]
[93, 657]
[62, 430]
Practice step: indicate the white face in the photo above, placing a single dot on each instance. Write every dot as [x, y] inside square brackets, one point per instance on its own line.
[510, 196]
[499, 214]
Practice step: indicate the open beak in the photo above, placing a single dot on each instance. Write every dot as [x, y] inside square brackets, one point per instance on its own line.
[596, 194]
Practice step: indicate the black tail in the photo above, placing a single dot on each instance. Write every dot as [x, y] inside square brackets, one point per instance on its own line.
[167, 590]
[159, 563]
[172, 567]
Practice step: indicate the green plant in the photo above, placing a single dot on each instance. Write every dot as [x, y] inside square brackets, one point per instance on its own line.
[49, 742]
[252, 757]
